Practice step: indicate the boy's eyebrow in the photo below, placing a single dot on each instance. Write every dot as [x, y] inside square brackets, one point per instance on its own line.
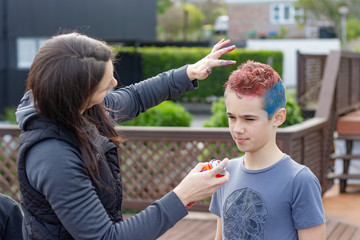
[244, 115]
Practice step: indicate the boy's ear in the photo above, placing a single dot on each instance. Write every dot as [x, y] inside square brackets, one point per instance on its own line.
[279, 117]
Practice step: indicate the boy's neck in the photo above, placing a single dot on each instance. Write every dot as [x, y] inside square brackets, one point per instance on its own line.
[262, 159]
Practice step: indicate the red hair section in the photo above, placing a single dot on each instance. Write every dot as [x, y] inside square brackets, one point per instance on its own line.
[252, 78]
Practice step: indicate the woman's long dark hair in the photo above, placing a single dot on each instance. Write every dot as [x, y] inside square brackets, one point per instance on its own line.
[65, 73]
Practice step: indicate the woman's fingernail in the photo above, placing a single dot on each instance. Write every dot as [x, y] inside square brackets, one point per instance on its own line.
[226, 63]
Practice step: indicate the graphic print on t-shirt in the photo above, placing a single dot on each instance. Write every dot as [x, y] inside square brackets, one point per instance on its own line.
[245, 213]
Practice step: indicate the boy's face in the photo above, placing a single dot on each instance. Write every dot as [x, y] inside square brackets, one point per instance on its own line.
[248, 122]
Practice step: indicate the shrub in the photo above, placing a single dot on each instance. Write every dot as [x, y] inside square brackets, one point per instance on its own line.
[352, 29]
[167, 113]
[219, 117]
[9, 115]
[293, 111]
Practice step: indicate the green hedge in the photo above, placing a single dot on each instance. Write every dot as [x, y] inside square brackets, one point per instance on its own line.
[167, 113]
[9, 115]
[159, 59]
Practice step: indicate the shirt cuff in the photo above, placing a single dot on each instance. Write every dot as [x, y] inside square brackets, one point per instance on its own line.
[181, 76]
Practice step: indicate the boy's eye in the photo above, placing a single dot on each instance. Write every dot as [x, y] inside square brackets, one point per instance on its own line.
[250, 119]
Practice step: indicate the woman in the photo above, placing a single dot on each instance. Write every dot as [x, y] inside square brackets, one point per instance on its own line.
[68, 166]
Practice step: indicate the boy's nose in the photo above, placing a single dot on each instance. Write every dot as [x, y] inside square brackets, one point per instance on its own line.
[239, 128]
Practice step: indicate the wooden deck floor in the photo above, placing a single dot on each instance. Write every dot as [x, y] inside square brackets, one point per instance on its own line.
[191, 228]
[342, 220]
[339, 230]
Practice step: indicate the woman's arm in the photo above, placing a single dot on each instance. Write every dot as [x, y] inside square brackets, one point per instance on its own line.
[130, 101]
[55, 169]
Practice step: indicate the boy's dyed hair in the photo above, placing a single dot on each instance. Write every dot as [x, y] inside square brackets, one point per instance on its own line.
[254, 78]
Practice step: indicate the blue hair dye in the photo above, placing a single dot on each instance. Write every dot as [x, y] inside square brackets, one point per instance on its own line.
[275, 98]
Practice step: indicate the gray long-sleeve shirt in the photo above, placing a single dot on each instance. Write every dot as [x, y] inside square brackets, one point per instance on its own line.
[56, 169]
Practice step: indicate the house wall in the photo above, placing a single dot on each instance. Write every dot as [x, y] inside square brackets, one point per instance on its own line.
[246, 16]
[109, 20]
[3, 53]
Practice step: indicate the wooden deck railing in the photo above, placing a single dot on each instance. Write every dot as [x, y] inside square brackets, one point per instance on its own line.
[310, 70]
[155, 159]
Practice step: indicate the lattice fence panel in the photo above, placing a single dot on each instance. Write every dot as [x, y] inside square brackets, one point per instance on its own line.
[8, 168]
[150, 169]
[313, 68]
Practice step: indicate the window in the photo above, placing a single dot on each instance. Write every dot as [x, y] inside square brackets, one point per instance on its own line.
[276, 12]
[26, 48]
[282, 13]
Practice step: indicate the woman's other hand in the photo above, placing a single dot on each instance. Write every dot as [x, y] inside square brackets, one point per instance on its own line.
[202, 69]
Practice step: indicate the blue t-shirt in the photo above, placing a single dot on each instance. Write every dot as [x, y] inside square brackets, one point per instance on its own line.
[270, 203]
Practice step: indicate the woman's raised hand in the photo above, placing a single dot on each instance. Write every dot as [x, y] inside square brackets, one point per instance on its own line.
[202, 69]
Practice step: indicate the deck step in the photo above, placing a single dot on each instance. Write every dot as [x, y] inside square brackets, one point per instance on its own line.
[343, 176]
[345, 156]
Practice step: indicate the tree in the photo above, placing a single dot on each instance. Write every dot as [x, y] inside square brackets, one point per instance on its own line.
[353, 28]
[212, 9]
[170, 24]
[181, 22]
[193, 18]
[184, 19]
[163, 5]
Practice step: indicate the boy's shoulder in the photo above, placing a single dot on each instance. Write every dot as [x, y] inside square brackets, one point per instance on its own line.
[286, 162]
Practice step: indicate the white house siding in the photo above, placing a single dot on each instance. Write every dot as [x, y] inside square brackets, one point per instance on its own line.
[289, 47]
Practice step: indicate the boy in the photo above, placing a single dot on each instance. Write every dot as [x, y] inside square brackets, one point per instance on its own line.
[268, 196]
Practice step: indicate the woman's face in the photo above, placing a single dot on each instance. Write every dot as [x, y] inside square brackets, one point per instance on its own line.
[107, 82]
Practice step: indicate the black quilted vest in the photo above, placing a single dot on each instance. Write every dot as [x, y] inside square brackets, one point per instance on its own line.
[34, 203]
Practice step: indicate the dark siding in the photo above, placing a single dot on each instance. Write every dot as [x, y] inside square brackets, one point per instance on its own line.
[109, 20]
[3, 54]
